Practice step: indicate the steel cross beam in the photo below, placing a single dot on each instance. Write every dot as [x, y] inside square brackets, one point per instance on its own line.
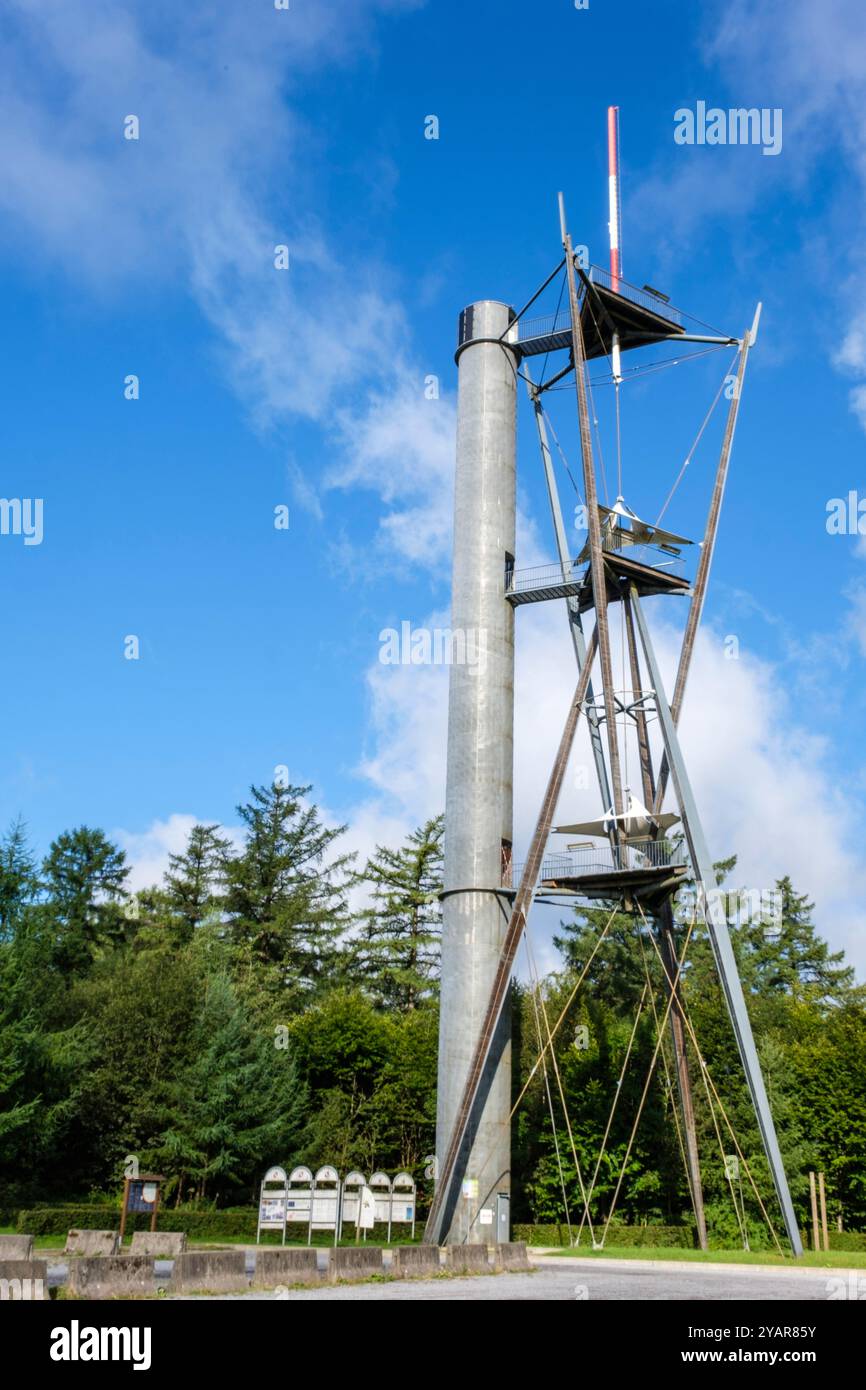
[444, 1191]
[599, 585]
[699, 589]
[709, 901]
[574, 618]
[552, 380]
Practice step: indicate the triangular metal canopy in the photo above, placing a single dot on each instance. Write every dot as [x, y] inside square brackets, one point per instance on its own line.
[621, 523]
[637, 822]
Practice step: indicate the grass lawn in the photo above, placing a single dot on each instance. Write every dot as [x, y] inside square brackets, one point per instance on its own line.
[56, 1242]
[39, 1242]
[812, 1259]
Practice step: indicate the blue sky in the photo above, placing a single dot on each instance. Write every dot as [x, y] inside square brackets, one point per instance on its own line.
[306, 387]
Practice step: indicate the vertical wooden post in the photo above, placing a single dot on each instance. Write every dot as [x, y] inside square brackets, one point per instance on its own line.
[155, 1209]
[123, 1209]
[815, 1245]
[825, 1233]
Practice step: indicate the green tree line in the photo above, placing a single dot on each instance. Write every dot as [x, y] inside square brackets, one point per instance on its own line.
[272, 1000]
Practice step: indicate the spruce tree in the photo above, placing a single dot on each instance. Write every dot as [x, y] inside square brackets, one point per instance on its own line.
[19, 879]
[285, 901]
[398, 951]
[83, 877]
[236, 1108]
[194, 877]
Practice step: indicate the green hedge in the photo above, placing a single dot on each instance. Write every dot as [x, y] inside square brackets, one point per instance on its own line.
[839, 1240]
[681, 1237]
[232, 1223]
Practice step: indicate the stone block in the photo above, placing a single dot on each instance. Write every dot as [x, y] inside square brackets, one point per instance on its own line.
[23, 1281]
[112, 1276]
[159, 1245]
[286, 1266]
[211, 1271]
[91, 1243]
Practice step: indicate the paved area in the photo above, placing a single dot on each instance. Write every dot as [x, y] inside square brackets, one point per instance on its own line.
[566, 1280]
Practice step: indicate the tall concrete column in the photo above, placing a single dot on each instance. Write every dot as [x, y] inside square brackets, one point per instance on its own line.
[478, 802]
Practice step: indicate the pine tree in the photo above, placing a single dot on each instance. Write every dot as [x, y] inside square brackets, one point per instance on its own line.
[84, 876]
[398, 953]
[194, 877]
[283, 901]
[19, 879]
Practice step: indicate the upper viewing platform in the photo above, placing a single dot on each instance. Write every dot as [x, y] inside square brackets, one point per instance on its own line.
[638, 316]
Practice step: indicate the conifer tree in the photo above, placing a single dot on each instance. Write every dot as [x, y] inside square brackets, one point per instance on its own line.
[83, 877]
[238, 1105]
[398, 951]
[194, 877]
[285, 901]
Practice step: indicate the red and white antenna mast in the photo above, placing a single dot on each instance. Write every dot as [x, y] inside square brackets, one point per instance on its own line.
[614, 224]
[615, 221]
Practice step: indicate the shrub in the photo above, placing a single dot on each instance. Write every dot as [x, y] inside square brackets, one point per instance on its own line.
[231, 1223]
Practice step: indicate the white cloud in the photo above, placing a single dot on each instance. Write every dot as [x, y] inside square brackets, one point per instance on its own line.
[400, 446]
[147, 851]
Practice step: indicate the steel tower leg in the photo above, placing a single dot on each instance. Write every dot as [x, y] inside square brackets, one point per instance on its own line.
[684, 1082]
[669, 953]
[699, 588]
[709, 900]
[478, 799]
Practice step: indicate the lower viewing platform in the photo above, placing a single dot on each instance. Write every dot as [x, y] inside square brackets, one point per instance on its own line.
[644, 871]
[649, 567]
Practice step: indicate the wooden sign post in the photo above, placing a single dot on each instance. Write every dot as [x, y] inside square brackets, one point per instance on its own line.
[815, 1245]
[140, 1194]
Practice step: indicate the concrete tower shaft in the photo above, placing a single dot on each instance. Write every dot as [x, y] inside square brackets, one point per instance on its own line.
[478, 803]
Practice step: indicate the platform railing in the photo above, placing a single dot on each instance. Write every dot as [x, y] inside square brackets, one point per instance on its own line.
[657, 557]
[543, 326]
[560, 322]
[542, 577]
[645, 298]
[602, 859]
[523, 581]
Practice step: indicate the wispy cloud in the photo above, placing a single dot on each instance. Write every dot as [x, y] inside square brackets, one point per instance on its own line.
[223, 171]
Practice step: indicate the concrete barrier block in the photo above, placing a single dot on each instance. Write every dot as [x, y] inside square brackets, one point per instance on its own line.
[24, 1281]
[286, 1266]
[512, 1255]
[356, 1262]
[16, 1247]
[159, 1245]
[416, 1261]
[212, 1271]
[92, 1243]
[112, 1276]
[467, 1259]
